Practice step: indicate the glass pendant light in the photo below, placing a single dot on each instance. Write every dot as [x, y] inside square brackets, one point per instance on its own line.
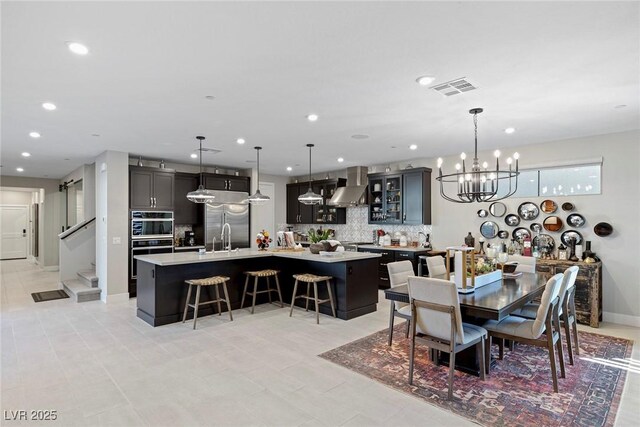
[258, 198]
[310, 198]
[200, 195]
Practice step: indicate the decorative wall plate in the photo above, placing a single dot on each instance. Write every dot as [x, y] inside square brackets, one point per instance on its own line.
[503, 234]
[528, 211]
[520, 233]
[512, 220]
[575, 220]
[548, 206]
[483, 213]
[552, 223]
[489, 229]
[536, 227]
[564, 237]
[545, 243]
[567, 206]
[498, 209]
[603, 229]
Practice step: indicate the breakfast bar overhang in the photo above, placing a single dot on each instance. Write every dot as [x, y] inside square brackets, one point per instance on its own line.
[162, 291]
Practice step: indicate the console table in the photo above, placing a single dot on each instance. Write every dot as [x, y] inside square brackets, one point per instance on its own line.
[588, 287]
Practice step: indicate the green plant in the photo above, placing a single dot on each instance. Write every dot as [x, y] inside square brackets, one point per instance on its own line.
[317, 236]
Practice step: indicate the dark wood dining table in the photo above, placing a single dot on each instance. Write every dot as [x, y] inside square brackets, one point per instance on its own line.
[494, 301]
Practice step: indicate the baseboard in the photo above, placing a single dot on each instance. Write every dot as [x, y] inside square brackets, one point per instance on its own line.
[51, 268]
[115, 298]
[621, 319]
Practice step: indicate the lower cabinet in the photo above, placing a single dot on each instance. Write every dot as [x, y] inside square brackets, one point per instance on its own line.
[588, 287]
[392, 255]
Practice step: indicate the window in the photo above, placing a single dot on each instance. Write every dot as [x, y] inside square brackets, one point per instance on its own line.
[574, 180]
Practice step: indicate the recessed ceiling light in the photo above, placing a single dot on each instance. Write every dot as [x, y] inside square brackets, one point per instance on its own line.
[425, 80]
[413, 147]
[20, 169]
[340, 160]
[194, 156]
[25, 154]
[34, 134]
[312, 117]
[49, 106]
[289, 168]
[359, 136]
[240, 141]
[77, 48]
[509, 130]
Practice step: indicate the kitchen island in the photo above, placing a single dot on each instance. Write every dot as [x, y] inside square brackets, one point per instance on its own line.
[162, 291]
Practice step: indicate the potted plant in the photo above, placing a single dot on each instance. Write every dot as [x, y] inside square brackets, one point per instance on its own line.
[319, 242]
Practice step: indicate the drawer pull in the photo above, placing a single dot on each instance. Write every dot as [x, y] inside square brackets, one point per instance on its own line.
[383, 263]
[384, 253]
[384, 278]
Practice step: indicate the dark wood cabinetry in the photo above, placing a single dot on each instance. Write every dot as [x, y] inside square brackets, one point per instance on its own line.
[226, 182]
[298, 213]
[151, 188]
[392, 255]
[185, 211]
[400, 198]
[588, 287]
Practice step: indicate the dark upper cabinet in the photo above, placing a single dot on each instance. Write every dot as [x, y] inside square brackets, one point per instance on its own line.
[151, 188]
[298, 213]
[227, 182]
[186, 212]
[416, 200]
[400, 198]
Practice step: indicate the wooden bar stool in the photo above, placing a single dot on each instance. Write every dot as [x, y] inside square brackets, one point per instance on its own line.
[256, 275]
[309, 279]
[214, 281]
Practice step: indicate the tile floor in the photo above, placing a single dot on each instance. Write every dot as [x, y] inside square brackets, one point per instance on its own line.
[99, 365]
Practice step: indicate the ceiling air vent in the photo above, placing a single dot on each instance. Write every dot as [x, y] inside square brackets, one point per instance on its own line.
[454, 87]
[211, 150]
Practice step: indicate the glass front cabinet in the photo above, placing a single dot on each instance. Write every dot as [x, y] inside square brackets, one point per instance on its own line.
[400, 197]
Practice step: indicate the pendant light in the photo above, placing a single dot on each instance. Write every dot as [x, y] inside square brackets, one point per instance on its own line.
[200, 195]
[258, 198]
[310, 198]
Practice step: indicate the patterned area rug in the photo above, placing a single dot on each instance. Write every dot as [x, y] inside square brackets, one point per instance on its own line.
[519, 390]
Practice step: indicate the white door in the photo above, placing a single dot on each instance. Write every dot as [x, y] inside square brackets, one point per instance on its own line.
[14, 221]
[266, 212]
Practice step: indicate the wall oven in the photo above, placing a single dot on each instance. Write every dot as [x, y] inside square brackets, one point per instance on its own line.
[151, 225]
[147, 247]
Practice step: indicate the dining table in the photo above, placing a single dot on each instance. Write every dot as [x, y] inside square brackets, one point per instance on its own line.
[493, 301]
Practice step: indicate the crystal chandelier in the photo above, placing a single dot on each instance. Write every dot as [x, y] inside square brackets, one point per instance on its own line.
[200, 195]
[258, 198]
[310, 198]
[479, 184]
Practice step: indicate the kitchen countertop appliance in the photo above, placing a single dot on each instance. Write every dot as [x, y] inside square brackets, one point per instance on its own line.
[189, 238]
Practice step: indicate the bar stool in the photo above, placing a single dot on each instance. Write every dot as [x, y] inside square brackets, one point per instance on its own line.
[309, 279]
[214, 281]
[256, 275]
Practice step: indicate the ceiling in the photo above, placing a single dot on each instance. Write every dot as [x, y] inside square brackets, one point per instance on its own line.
[552, 70]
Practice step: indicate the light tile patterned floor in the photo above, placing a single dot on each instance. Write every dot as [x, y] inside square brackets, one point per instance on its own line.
[99, 365]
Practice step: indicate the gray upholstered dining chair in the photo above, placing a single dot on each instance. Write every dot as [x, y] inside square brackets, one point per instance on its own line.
[529, 331]
[436, 266]
[566, 309]
[399, 273]
[437, 322]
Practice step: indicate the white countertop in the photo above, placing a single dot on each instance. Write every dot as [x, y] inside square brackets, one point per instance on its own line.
[396, 248]
[178, 258]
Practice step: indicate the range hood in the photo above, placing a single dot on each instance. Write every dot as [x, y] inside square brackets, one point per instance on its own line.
[355, 193]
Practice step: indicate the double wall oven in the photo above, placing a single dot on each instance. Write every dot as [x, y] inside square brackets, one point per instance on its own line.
[151, 233]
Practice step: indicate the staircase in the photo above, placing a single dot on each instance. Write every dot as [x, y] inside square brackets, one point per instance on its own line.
[84, 287]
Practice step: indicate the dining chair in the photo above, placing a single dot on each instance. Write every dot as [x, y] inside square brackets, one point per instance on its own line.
[566, 309]
[529, 331]
[399, 272]
[436, 266]
[526, 264]
[437, 322]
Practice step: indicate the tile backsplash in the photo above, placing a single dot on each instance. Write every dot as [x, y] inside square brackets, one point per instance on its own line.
[358, 229]
[181, 228]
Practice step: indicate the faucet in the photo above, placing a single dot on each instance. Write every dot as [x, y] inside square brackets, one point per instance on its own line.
[228, 246]
[426, 239]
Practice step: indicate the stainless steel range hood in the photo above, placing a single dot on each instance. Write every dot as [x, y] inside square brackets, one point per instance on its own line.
[355, 193]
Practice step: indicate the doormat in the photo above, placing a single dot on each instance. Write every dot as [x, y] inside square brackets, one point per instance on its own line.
[49, 295]
[518, 392]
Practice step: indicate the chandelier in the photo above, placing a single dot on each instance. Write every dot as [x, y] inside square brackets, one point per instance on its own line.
[479, 184]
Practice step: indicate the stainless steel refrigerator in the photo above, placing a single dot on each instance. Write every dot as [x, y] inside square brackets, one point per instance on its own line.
[229, 207]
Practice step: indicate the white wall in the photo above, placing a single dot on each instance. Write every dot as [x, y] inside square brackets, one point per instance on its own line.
[112, 216]
[619, 204]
